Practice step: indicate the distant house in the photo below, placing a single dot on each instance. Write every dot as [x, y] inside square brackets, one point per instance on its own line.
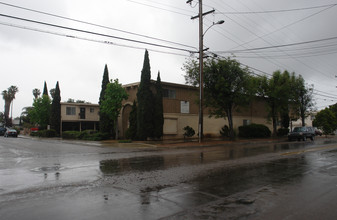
[181, 109]
[79, 116]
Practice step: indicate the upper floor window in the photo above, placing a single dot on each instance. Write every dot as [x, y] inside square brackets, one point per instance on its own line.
[71, 111]
[169, 93]
[92, 110]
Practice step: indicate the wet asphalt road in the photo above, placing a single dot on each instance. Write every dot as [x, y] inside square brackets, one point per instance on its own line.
[52, 179]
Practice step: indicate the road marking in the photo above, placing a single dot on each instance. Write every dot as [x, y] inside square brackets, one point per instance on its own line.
[309, 150]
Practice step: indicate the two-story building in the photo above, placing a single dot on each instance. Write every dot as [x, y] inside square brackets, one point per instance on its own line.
[181, 108]
[79, 116]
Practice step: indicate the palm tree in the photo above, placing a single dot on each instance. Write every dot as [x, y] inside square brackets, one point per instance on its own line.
[36, 93]
[9, 95]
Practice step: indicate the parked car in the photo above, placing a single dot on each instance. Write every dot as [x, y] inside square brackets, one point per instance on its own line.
[318, 131]
[302, 133]
[11, 133]
[2, 131]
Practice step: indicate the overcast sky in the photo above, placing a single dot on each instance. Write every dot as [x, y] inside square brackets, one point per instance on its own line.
[300, 36]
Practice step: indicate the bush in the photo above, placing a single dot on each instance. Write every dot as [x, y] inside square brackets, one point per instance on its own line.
[282, 132]
[44, 133]
[89, 135]
[189, 131]
[254, 131]
[70, 134]
[224, 131]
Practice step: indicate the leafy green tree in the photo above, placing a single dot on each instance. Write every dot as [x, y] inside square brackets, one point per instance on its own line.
[145, 102]
[158, 110]
[55, 113]
[326, 120]
[132, 130]
[111, 105]
[277, 92]
[303, 98]
[45, 89]
[227, 86]
[105, 125]
[36, 93]
[9, 95]
[26, 116]
[40, 113]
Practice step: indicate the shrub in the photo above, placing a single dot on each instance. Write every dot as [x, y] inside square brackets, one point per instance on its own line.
[89, 135]
[189, 131]
[254, 131]
[44, 133]
[224, 131]
[282, 132]
[70, 134]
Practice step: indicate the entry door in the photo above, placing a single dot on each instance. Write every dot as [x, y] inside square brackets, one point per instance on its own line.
[82, 113]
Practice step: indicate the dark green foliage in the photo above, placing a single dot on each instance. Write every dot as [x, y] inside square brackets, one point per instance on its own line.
[44, 133]
[55, 113]
[125, 141]
[285, 119]
[145, 102]
[40, 113]
[45, 90]
[281, 132]
[227, 86]
[158, 110]
[224, 131]
[189, 131]
[105, 124]
[89, 135]
[111, 105]
[131, 132]
[326, 120]
[254, 131]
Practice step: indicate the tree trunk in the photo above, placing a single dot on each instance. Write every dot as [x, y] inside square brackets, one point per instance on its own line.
[230, 123]
[274, 118]
[7, 108]
[303, 117]
[116, 129]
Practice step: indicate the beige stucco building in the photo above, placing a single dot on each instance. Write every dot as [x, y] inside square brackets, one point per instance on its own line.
[79, 116]
[181, 109]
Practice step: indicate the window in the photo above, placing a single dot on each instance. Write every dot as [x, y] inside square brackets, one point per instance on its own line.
[92, 110]
[71, 111]
[169, 93]
[246, 122]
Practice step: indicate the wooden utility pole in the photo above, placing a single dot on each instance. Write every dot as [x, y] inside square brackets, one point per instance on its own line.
[201, 68]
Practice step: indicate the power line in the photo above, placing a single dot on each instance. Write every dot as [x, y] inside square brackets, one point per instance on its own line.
[277, 46]
[156, 7]
[96, 25]
[86, 39]
[275, 11]
[95, 33]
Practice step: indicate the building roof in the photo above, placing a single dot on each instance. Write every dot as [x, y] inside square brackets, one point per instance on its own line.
[136, 84]
[79, 104]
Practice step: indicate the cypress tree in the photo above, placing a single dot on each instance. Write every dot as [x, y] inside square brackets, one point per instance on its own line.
[105, 125]
[158, 121]
[55, 114]
[45, 90]
[145, 102]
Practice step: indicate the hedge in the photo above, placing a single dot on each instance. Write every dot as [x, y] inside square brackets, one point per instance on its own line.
[254, 131]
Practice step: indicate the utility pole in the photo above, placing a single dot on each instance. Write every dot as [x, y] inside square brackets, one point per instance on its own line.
[201, 68]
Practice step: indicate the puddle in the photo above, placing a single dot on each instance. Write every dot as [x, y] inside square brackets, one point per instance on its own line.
[47, 169]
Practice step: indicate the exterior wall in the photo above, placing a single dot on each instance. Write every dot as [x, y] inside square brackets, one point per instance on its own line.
[182, 110]
[75, 122]
[89, 116]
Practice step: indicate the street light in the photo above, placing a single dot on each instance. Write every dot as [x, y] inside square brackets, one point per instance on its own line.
[214, 23]
[201, 64]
